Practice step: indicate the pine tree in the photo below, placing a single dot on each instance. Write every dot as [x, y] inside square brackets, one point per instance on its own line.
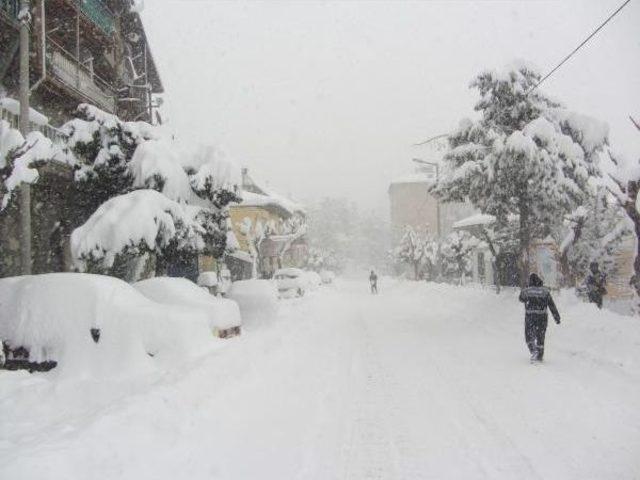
[527, 157]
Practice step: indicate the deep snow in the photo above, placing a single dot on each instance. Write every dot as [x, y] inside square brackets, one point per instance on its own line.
[420, 381]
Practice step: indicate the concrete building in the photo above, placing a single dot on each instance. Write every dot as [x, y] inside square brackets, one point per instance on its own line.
[413, 205]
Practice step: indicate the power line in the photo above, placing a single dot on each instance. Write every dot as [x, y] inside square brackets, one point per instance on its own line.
[575, 50]
[579, 46]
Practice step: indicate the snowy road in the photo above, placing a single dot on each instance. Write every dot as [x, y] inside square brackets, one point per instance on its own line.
[420, 382]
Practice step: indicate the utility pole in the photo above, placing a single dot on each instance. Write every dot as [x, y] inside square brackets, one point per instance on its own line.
[436, 167]
[25, 188]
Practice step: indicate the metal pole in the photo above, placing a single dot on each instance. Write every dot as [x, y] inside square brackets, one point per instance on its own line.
[439, 258]
[25, 188]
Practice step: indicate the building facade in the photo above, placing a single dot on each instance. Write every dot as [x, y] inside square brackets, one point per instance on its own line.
[81, 51]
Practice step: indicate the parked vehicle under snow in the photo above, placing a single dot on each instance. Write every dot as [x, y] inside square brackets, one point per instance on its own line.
[223, 315]
[92, 323]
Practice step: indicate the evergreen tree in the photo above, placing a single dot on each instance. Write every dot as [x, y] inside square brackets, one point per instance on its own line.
[527, 157]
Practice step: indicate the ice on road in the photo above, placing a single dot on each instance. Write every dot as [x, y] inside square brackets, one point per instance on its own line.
[419, 382]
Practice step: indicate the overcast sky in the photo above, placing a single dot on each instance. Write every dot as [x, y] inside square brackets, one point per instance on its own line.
[327, 98]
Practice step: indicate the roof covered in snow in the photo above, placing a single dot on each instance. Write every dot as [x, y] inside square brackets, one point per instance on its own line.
[255, 194]
[475, 220]
[414, 178]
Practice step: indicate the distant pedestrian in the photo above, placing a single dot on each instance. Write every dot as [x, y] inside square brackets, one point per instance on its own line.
[373, 280]
[596, 284]
[537, 298]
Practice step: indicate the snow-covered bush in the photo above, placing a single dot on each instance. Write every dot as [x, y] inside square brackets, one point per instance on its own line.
[144, 221]
[527, 156]
[417, 252]
[456, 252]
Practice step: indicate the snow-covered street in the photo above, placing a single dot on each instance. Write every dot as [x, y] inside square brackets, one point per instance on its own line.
[421, 381]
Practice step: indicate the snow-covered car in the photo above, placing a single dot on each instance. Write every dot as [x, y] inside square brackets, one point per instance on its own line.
[82, 322]
[291, 282]
[223, 315]
[313, 280]
[327, 276]
[257, 299]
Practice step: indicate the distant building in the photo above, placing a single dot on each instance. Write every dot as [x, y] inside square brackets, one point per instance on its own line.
[283, 222]
[413, 205]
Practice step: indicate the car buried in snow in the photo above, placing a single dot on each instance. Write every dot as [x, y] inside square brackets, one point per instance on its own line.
[291, 282]
[78, 321]
[223, 315]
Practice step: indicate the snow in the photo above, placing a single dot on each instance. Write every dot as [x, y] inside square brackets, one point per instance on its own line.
[478, 219]
[208, 279]
[135, 221]
[421, 381]
[51, 315]
[250, 199]
[414, 178]
[12, 105]
[36, 147]
[221, 313]
[155, 164]
[257, 299]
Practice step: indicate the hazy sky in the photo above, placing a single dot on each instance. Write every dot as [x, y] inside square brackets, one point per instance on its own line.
[327, 98]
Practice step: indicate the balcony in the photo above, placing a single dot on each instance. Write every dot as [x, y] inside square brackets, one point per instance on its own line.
[13, 119]
[98, 12]
[80, 78]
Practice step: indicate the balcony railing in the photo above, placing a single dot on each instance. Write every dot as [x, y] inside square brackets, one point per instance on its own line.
[98, 12]
[68, 70]
[52, 133]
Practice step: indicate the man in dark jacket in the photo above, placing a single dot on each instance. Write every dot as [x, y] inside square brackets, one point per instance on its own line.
[537, 298]
[373, 280]
[596, 284]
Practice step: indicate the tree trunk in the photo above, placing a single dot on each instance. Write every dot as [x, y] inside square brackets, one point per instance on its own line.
[161, 266]
[416, 267]
[525, 242]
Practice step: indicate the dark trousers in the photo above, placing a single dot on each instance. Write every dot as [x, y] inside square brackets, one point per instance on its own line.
[535, 328]
[595, 297]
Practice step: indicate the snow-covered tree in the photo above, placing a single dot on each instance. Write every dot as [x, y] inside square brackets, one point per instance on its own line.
[626, 189]
[456, 251]
[413, 250]
[101, 147]
[526, 157]
[114, 159]
[140, 222]
[255, 233]
[591, 234]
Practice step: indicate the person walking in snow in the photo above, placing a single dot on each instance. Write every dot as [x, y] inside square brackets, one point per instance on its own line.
[373, 280]
[537, 298]
[596, 284]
